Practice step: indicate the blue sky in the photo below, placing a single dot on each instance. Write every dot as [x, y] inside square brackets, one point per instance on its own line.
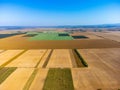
[58, 12]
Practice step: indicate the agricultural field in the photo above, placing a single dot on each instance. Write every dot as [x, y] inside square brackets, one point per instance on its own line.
[28, 59]
[21, 42]
[61, 80]
[50, 36]
[88, 61]
[115, 36]
[102, 72]
[58, 60]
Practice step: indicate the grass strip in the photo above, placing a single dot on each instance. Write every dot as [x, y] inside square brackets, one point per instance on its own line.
[77, 59]
[3, 65]
[5, 72]
[30, 80]
[58, 79]
[81, 58]
[47, 59]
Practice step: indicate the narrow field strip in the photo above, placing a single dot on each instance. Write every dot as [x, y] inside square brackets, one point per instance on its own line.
[17, 79]
[30, 80]
[79, 58]
[73, 59]
[39, 80]
[29, 59]
[58, 79]
[60, 58]
[8, 56]
[43, 60]
[47, 59]
[5, 72]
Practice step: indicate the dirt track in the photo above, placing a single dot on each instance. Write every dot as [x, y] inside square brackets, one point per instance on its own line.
[19, 42]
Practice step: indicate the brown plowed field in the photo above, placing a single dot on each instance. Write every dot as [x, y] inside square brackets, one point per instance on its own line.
[20, 42]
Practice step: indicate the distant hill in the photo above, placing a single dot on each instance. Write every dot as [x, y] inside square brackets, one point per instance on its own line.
[64, 26]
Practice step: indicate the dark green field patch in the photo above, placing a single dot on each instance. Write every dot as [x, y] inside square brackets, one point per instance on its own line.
[5, 72]
[79, 37]
[63, 34]
[59, 79]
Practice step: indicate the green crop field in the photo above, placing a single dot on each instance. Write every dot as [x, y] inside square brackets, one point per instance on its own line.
[58, 79]
[50, 36]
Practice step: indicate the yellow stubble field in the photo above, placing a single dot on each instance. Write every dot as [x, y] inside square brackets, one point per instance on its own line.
[29, 59]
[17, 80]
[60, 58]
[103, 71]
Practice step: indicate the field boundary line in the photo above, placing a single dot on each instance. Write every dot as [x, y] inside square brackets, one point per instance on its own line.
[47, 59]
[41, 58]
[30, 80]
[3, 65]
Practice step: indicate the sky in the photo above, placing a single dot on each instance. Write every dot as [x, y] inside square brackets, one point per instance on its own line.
[58, 12]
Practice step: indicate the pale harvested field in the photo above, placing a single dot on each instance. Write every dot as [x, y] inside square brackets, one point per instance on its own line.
[39, 80]
[17, 79]
[60, 58]
[28, 59]
[109, 35]
[87, 34]
[103, 71]
[8, 55]
[117, 33]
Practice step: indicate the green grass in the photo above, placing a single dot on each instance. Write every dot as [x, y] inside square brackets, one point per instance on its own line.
[5, 72]
[59, 79]
[51, 36]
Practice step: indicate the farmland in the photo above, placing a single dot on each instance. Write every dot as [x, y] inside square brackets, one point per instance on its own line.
[61, 80]
[89, 62]
[21, 42]
[51, 36]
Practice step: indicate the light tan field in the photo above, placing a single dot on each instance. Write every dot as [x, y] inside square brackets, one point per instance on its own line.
[102, 73]
[28, 59]
[87, 34]
[60, 58]
[109, 35]
[39, 80]
[8, 55]
[17, 79]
